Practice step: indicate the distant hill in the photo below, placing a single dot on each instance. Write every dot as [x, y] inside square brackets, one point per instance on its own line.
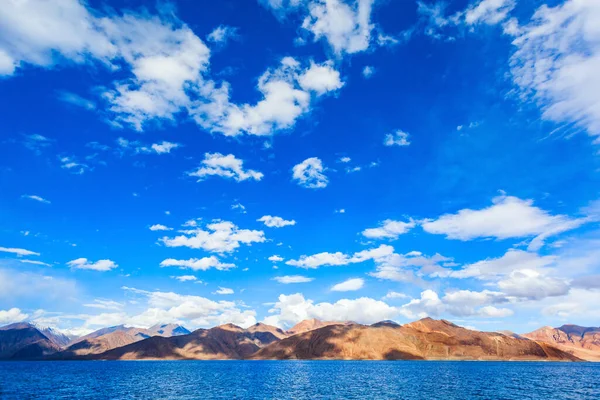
[113, 337]
[222, 342]
[425, 339]
[24, 341]
[583, 342]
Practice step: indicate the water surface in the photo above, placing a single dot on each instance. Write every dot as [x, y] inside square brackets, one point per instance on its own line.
[298, 380]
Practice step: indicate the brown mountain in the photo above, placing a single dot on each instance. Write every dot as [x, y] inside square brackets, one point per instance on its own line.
[312, 324]
[113, 337]
[264, 328]
[222, 342]
[582, 342]
[24, 341]
[425, 339]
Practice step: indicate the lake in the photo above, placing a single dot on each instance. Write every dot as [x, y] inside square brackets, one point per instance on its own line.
[298, 380]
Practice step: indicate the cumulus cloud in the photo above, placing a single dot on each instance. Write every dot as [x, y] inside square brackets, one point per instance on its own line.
[198, 264]
[100, 265]
[223, 290]
[164, 66]
[289, 310]
[18, 252]
[35, 198]
[398, 138]
[275, 258]
[138, 147]
[12, 315]
[219, 237]
[395, 295]
[533, 285]
[160, 227]
[389, 229]
[275, 222]
[287, 279]
[230, 167]
[287, 93]
[169, 307]
[309, 174]
[320, 260]
[507, 217]
[348, 285]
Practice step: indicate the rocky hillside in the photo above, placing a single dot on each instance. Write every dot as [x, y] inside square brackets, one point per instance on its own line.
[24, 341]
[426, 339]
[222, 342]
[582, 342]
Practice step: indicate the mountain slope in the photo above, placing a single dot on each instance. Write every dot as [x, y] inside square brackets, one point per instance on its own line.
[113, 337]
[222, 342]
[583, 342]
[425, 339]
[24, 341]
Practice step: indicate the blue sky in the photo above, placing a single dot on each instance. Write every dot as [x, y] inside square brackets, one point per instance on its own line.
[212, 162]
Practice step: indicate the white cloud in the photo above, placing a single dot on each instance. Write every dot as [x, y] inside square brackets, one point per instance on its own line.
[34, 262]
[348, 285]
[191, 311]
[138, 148]
[275, 222]
[398, 138]
[389, 229]
[100, 265]
[289, 310]
[395, 295]
[185, 278]
[490, 12]
[160, 227]
[36, 198]
[344, 159]
[462, 303]
[309, 174]
[507, 217]
[164, 65]
[105, 304]
[36, 142]
[164, 147]
[492, 268]
[531, 284]
[222, 34]
[12, 315]
[320, 260]
[71, 164]
[368, 71]
[18, 252]
[221, 237]
[198, 264]
[287, 279]
[230, 167]
[287, 93]
[345, 25]
[556, 62]
[340, 211]
[224, 291]
[239, 206]
[275, 258]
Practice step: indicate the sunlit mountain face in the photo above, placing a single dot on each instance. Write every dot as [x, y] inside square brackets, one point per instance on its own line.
[201, 163]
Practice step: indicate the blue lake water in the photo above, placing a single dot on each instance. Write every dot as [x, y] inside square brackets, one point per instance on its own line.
[298, 380]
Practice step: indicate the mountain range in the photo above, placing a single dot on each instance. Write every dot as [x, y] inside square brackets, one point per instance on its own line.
[426, 339]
